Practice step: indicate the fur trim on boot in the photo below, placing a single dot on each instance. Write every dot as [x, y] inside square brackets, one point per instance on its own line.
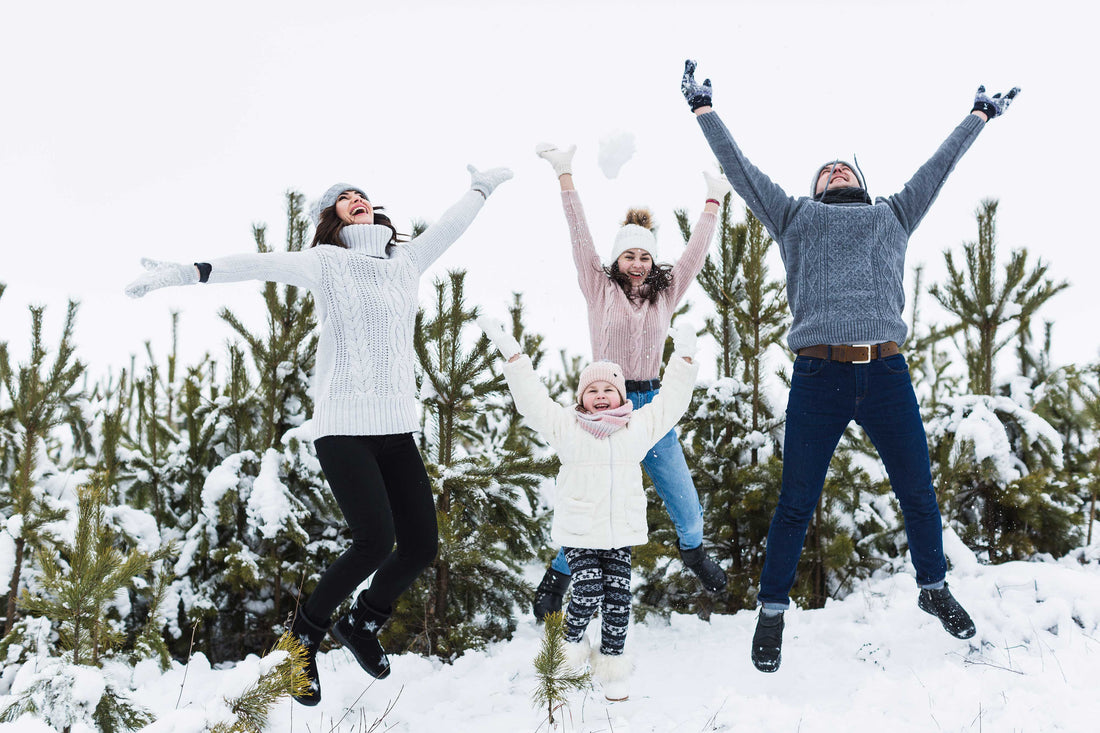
[577, 652]
[613, 672]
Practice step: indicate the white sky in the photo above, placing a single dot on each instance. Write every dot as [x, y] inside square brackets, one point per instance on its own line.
[143, 129]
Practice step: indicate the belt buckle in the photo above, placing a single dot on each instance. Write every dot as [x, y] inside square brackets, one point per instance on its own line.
[863, 346]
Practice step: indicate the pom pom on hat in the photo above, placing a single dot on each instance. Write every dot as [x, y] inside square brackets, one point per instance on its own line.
[328, 198]
[602, 371]
[636, 233]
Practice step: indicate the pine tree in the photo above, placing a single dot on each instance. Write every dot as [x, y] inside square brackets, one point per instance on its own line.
[42, 397]
[995, 457]
[79, 586]
[467, 596]
[730, 432]
[555, 679]
[983, 305]
[267, 525]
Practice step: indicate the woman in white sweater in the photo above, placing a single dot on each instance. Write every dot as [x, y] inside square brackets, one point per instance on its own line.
[600, 505]
[365, 288]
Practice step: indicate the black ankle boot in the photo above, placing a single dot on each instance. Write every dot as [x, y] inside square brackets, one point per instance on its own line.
[310, 635]
[767, 642]
[358, 631]
[549, 594]
[709, 573]
[940, 603]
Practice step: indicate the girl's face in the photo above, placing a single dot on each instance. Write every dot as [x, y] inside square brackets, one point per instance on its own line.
[635, 264]
[599, 396]
[352, 207]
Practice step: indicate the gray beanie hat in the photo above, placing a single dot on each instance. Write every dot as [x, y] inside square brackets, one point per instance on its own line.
[817, 174]
[328, 198]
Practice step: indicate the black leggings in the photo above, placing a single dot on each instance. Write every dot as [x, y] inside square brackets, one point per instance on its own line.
[382, 488]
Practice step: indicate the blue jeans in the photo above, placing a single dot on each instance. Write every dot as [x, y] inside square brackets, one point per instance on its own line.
[667, 468]
[825, 396]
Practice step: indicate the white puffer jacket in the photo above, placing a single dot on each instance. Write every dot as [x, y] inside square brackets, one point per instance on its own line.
[599, 502]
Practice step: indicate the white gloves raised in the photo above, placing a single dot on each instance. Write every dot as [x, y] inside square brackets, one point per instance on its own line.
[560, 160]
[485, 181]
[717, 187]
[504, 341]
[162, 275]
[684, 339]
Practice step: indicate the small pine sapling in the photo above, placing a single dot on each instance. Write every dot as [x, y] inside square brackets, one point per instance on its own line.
[555, 678]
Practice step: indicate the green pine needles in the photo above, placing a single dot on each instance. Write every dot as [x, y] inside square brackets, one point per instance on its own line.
[555, 678]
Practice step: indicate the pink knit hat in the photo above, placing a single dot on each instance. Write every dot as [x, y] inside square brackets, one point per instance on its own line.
[602, 371]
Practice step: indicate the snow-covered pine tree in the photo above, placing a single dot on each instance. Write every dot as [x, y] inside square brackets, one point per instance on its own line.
[78, 592]
[41, 397]
[730, 433]
[995, 458]
[467, 597]
[267, 526]
[1069, 399]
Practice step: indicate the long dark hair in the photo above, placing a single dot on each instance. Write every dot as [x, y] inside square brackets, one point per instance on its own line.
[659, 277]
[329, 226]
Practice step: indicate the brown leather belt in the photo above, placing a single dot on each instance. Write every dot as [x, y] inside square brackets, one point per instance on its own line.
[857, 354]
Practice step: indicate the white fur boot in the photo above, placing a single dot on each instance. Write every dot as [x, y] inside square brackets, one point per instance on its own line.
[576, 653]
[613, 673]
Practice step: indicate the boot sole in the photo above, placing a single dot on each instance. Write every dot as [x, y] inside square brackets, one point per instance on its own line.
[335, 631]
[764, 666]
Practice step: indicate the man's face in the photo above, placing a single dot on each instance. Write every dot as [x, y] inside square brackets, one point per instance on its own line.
[843, 177]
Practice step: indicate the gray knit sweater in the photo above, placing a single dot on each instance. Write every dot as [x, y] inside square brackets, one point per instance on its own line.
[366, 297]
[845, 262]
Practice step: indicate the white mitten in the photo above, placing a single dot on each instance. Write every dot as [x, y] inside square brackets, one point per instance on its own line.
[162, 275]
[504, 341]
[717, 187]
[486, 181]
[560, 160]
[684, 339]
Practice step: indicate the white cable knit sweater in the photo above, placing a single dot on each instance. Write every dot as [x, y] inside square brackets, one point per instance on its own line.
[366, 298]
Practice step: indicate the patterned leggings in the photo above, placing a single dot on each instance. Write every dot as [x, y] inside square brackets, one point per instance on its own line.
[600, 577]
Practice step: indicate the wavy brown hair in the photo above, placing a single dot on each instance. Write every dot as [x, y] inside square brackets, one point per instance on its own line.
[659, 277]
[329, 226]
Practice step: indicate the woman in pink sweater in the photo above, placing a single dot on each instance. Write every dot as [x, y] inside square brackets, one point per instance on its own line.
[630, 306]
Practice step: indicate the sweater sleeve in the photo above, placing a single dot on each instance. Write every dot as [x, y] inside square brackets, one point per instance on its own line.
[670, 403]
[533, 401]
[590, 272]
[695, 254]
[771, 205]
[301, 269]
[912, 202]
[430, 246]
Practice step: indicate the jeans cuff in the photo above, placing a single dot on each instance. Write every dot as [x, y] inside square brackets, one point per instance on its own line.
[775, 607]
[933, 586]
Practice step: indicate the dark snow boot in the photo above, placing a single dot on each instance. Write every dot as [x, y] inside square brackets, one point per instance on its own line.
[940, 603]
[358, 631]
[709, 572]
[310, 635]
[549, 594]
[767, 642]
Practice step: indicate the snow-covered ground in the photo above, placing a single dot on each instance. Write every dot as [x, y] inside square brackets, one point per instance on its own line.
[871, 662]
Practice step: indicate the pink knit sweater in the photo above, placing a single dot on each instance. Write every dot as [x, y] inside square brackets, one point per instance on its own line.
[630, 333]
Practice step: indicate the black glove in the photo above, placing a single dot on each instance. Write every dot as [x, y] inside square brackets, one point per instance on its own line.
[697, 95]
[996, 105]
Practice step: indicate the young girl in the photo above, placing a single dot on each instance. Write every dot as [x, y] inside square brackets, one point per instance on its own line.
[630, 305]
[365, 288]
[600, 506]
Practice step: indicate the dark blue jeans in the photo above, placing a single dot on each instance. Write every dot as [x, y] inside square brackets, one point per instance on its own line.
[825, 396]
